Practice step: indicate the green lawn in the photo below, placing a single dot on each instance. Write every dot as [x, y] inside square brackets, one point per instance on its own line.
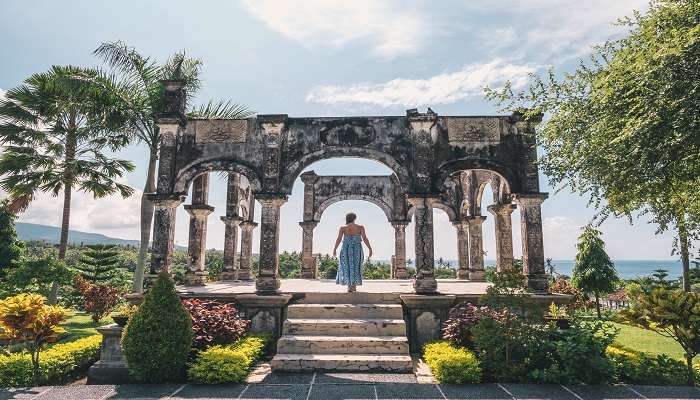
[647, 341]
[80, 325]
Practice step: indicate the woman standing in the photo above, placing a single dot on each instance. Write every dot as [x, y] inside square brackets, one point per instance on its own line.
[350, 264]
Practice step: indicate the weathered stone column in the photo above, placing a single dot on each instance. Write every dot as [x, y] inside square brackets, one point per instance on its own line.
[308, 261]
[531, 232]
[197, 245]
[399, 270]
[476, 248]
[424, 282]
[268, 281]
[244, 263]
[504, 234]
[462, 227]
[230, 243]
[163, 232]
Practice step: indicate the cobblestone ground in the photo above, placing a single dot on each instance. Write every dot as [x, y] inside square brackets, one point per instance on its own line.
[331, 386]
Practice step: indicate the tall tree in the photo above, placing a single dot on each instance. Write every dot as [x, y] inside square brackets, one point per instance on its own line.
[624, 127]
[593, 272]
[56, 129]
[98, 262]
[10, 247]
[143, 75]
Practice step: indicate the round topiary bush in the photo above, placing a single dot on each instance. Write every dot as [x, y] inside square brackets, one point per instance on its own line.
[158, 338]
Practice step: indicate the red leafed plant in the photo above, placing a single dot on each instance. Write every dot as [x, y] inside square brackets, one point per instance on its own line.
[215, 323]
[98, 300]
[460, 321]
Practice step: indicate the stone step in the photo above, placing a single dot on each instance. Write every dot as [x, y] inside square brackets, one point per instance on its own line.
[350, 298]
[301, 344]
[341, 362]
[345, 327]
[390, 311]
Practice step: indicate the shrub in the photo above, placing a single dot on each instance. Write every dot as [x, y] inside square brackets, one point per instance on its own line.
[158, 338]
[457, 328]
[38, 275]
[26, 319]
[98, 300]
[636, 367]
[227, 364]
[452, 364]
[563, 286]
[215, 323]
[575, 355]
[59, 364]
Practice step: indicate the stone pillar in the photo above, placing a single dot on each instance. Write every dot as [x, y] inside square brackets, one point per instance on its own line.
[268, 281]
[531, 232]
[163, 232]
[308, 261]
[230, 243]
[462, 248]
[398, 266]
[111, 368]
[196, 274]
[504, 234]
[476, 248]
[244, 264]
[424, 282]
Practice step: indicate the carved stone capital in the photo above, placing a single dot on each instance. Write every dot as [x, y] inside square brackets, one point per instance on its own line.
[199, 210]
[421, 201]
[308, 225]
[501, 209]
[400, 225]
[232, 221]
[529, 199]
[309, 177]
[167, 200]
[271, 200]
[248, 225]
[475, 220]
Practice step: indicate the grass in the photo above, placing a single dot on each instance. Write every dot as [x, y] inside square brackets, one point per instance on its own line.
[80, 325]
[647, 341]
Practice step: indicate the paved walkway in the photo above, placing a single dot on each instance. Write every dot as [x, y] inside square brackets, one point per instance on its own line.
[331, 386]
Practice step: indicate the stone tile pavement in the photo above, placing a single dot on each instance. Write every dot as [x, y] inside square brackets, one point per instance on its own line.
[331, 386]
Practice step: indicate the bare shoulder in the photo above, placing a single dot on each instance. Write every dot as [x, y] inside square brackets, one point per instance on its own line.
[361, 227]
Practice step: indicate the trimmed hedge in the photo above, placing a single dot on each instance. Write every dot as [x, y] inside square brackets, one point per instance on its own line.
[637, 367]
[59, 364]
[227, 364]
[452, 364]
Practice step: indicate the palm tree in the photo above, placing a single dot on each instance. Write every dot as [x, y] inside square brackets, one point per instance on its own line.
[55, 129]
[143, 76]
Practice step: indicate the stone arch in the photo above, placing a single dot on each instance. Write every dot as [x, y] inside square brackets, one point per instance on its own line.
[337, 199]
[191, 171]
[295, 168]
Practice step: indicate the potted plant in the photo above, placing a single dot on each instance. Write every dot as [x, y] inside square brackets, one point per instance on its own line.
[122, 313]
[558, 316]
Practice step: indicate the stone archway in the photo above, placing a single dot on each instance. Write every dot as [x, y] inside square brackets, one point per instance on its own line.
[384, 191]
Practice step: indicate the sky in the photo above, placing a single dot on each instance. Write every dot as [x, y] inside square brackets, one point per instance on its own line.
[332, 58]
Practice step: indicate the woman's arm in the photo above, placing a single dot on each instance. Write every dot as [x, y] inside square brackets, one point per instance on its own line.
[337, 241]
[364, 239]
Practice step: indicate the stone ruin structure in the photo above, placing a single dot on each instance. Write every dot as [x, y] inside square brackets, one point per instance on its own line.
[438, 161]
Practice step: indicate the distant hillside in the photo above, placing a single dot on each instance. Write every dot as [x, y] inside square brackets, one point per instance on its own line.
[52, 234]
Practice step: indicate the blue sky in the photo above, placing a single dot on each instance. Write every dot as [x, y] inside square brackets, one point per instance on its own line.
[330, 57]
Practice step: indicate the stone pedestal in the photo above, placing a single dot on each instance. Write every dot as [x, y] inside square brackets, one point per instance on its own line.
[476, 248]
[398, 260]
[230, 243]
[308, 261]
[265, 312]
[244, 264]
[424, 282]
[163, 231]
[504, 235]
[111, 368]
[462, 248]
[268, 281]
[424, 316]
[531, 233]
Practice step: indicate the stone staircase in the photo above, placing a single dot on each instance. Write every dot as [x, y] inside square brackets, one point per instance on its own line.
[344, 332]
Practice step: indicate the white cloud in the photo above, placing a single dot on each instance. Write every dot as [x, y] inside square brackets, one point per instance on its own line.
[445, 88]
[392, 27]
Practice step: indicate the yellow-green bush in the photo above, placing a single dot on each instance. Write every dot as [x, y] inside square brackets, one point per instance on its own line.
[633, 366]
[226, 364]
[58, 364]
[452, 364]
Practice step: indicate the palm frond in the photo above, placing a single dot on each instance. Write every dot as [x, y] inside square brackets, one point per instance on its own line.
[221, 110]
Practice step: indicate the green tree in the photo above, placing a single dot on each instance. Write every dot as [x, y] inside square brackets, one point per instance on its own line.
[10, 247]
[98, 262]
[56, 129]
[672, 313]
[143, 76]
[623, 127]
[593, 272]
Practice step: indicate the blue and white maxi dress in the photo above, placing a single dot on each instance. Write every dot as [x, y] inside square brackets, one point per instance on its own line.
[350, 266]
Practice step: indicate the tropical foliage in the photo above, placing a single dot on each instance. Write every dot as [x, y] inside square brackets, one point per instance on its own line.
[594, 272]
